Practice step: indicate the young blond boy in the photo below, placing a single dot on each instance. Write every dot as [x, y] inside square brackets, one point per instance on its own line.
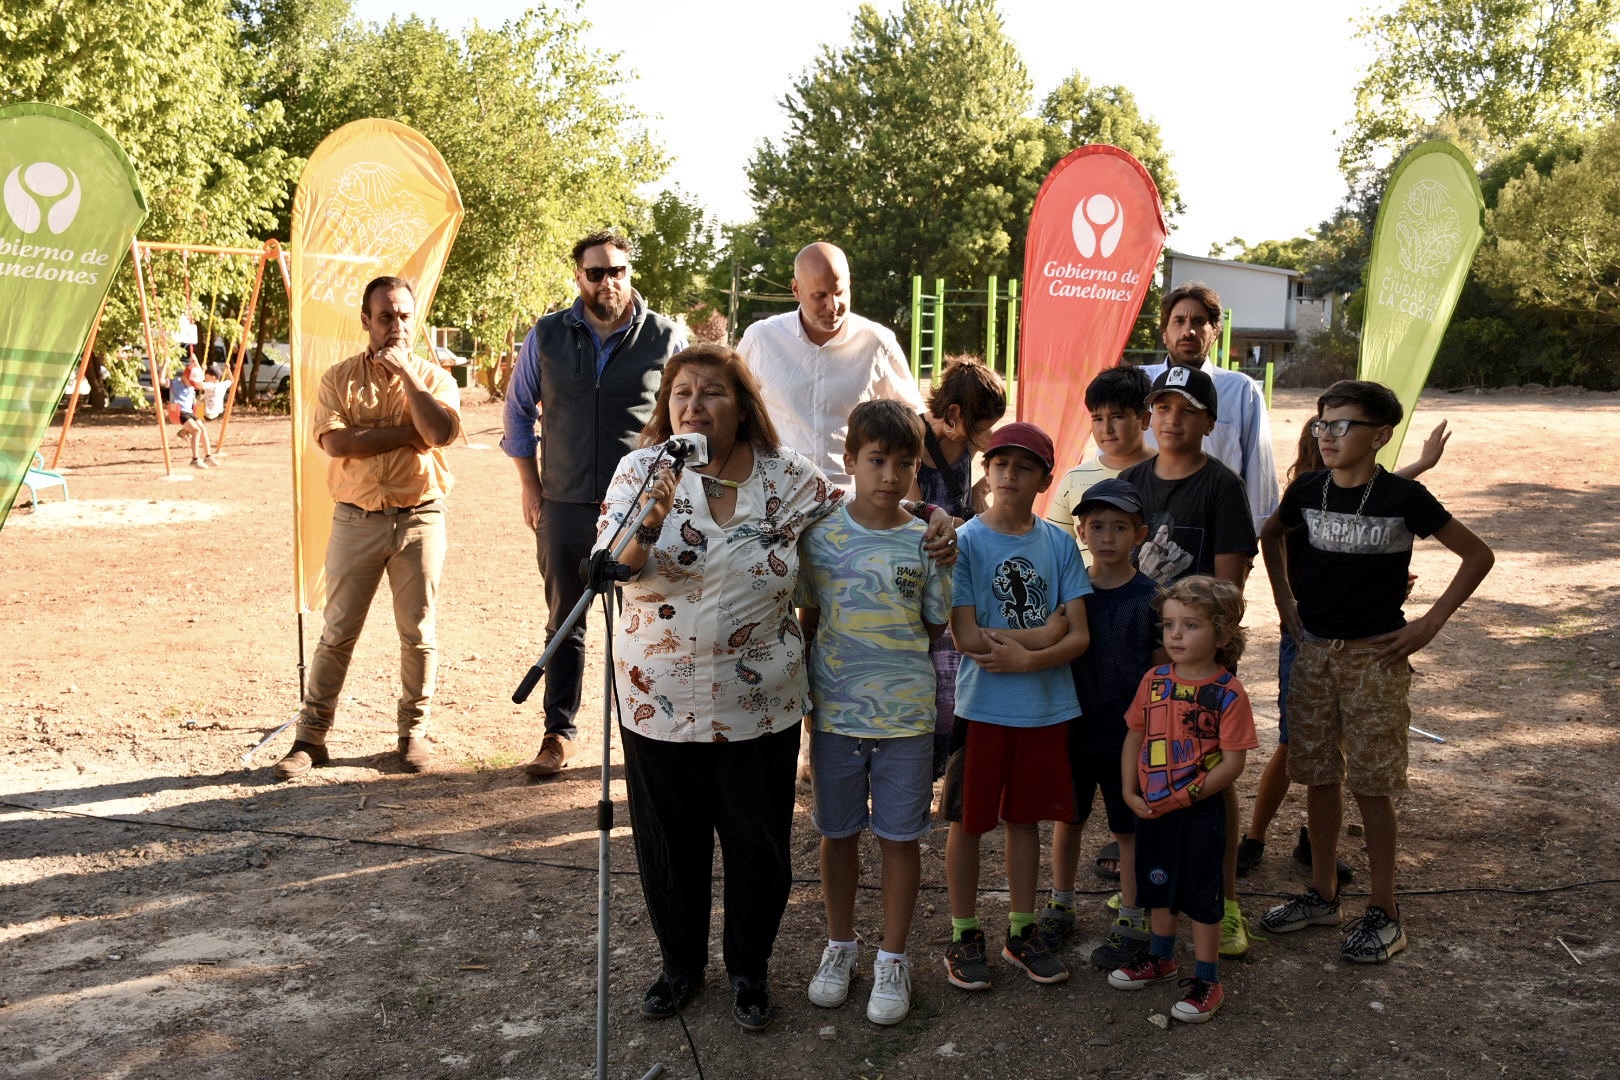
[1018, 619]
[872, 600]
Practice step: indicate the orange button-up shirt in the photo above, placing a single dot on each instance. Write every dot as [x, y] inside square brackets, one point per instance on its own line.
[357, 394]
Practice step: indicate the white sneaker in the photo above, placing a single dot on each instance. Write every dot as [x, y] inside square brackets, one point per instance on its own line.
[830, 987]
[891, 992]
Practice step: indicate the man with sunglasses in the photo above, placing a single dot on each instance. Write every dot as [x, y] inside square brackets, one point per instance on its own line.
[816, 363]
[597, 364]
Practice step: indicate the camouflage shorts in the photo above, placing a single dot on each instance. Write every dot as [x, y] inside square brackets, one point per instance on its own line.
[1347, 717]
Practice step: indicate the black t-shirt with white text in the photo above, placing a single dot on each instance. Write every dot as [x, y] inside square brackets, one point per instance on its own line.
[1350, 580]
[1191, 520]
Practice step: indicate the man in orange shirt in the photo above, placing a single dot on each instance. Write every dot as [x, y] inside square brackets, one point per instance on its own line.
[382, 416]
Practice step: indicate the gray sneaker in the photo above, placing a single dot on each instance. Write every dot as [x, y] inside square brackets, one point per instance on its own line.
[965, 965]
[1054, 925]
[1030, 953]
[1306, 909]
[1373, 938]
[1127, 942]
[830, 986]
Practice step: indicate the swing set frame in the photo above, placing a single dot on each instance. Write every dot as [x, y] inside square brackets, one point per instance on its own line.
[272, 250]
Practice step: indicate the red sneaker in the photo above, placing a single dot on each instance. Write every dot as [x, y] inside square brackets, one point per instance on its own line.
[1143, 971]
[1203, 1000]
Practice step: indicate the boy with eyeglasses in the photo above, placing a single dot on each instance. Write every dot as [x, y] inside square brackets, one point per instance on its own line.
[1342, 602]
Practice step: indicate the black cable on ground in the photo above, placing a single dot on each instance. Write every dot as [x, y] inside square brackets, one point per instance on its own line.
[294, 834]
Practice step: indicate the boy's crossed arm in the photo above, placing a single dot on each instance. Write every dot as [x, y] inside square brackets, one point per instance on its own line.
[1220, 777]
[1063, 637]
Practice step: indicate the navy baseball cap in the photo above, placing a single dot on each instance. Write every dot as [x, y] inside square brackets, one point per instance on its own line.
[1113, 492]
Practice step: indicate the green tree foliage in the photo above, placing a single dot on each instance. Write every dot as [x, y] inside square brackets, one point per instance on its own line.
[1078, 113]
[527, 117]
[911, 148]
[1501, 70]
[1556, 250]
[916, 149]
[675, 250]
[167, 80]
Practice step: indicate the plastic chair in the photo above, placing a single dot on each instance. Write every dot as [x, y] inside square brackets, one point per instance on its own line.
[40, 478]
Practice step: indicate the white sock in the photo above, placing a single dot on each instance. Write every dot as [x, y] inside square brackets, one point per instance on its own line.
[847, 946]
[884, 956]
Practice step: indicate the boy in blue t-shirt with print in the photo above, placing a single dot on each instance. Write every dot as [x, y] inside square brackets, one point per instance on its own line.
[1019, 618]
[871, 600]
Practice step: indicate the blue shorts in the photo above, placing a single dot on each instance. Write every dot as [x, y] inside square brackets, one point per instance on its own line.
[894, 777]
[1286, 651]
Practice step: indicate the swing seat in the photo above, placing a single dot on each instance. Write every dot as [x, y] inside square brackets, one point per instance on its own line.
[38, 478]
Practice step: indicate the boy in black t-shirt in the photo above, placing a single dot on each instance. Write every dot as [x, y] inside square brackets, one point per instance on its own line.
[1347, 702]
[1196, 509]
[1198, 522]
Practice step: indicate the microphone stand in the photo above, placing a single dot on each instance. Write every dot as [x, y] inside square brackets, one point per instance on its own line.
[601, 571]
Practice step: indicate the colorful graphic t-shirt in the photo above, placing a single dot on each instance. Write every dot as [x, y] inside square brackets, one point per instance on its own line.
[1187, 726]
[870, 675]
[1016, 582]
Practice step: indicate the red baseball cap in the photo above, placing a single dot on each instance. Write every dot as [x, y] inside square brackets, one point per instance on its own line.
[1025, 437]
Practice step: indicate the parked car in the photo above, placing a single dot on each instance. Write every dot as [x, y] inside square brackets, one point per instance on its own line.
[446, 358]
[273, 375]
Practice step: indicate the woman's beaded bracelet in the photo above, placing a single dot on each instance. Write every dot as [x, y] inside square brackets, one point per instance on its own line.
[649, 534]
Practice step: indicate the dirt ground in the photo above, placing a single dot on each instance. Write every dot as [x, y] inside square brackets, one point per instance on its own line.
[166, 911]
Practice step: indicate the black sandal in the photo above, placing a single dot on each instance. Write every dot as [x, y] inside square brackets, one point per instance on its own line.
[750, 1003]
[1108, 854]
[667, 996]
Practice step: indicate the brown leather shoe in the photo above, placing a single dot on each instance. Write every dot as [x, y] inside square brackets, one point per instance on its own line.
[414, 754]
[303, 757]
[555, 754]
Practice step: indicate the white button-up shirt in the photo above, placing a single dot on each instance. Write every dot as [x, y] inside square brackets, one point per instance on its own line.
[810, 389]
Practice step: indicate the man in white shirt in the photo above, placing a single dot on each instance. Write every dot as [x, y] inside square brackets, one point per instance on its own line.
[1189, 322]
[816, 363]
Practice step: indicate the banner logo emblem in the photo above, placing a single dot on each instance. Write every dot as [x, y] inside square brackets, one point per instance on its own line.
[1428, 230]
[25, 187]
[1177, 375]
[1094, 213]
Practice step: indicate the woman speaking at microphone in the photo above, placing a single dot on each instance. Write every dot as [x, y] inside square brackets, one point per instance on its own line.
[709, 671]
[708, 668]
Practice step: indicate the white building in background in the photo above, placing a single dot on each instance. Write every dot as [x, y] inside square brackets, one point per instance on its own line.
[1272, 309]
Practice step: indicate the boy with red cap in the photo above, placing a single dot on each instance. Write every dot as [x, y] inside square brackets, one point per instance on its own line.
[1019, 618]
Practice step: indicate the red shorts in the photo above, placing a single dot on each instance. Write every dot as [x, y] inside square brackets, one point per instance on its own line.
[1017, 775]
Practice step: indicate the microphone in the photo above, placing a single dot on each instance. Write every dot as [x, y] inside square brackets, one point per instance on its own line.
[688, 450]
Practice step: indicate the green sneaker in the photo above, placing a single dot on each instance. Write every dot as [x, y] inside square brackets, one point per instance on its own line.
[1234, 934]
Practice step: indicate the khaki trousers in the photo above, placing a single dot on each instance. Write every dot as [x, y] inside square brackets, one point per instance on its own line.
[409, 545]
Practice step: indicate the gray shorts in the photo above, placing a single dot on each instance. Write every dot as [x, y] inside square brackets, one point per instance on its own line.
[887, 784]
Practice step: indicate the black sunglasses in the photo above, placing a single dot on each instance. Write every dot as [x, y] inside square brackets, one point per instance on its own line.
[594, 274]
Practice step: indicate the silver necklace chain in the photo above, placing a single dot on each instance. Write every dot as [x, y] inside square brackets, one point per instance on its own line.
[1327, 482]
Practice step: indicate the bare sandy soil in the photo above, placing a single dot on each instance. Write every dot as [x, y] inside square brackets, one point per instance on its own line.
[166, 911]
